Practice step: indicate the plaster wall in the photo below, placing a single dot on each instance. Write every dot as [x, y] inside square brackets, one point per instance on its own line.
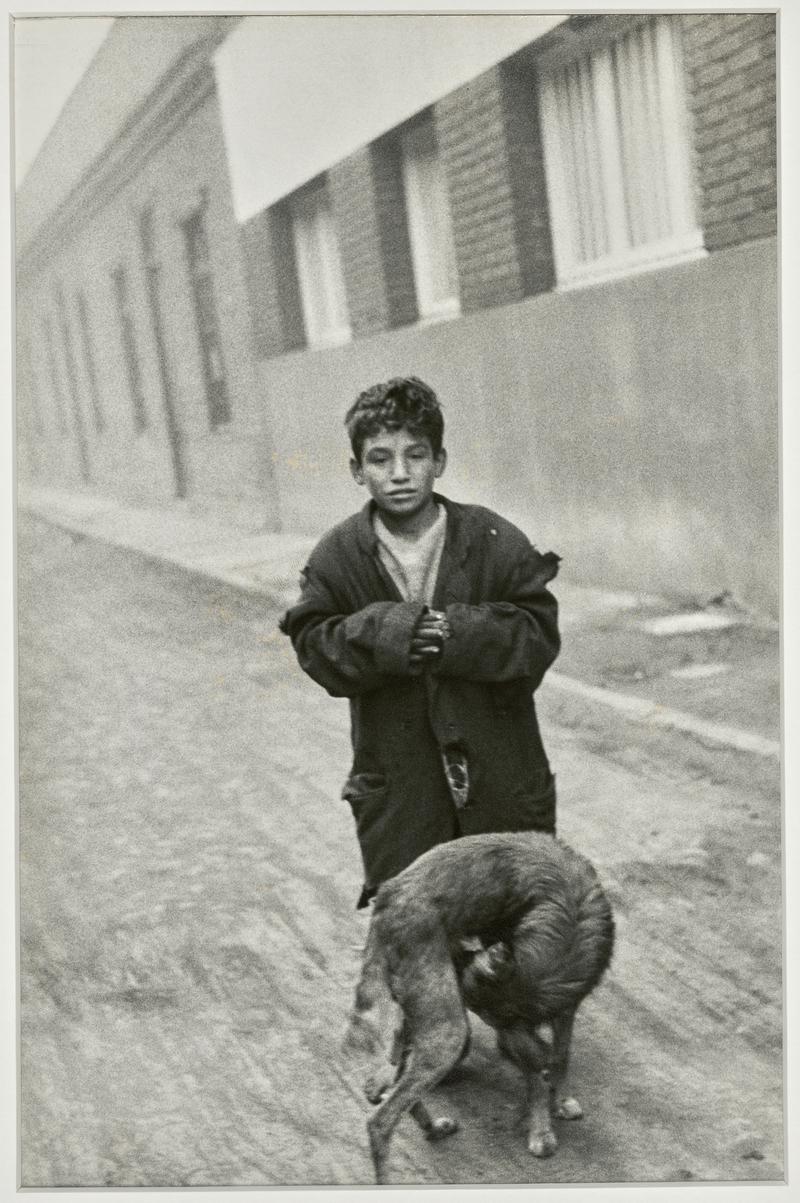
[226, 468]
[632, 426]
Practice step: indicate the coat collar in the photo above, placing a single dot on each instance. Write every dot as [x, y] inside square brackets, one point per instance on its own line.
[457, 539]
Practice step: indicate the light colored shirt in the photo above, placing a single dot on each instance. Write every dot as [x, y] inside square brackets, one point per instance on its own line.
[412, 561]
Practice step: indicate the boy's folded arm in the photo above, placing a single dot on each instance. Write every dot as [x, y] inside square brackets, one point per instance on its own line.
[351, 653]
[512, 637]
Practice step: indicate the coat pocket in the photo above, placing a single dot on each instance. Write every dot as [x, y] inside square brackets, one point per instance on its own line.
[368, 795]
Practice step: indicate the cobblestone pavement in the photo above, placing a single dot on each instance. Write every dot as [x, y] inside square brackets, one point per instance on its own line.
[188, 937]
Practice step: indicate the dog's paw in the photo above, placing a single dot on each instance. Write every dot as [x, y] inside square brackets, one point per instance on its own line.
[569, 1108]
[542, 1144]
[441, 1127]
[379, 1082]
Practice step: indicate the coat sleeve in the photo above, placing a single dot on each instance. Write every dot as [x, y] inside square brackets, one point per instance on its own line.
[512, 636]
[349, 653]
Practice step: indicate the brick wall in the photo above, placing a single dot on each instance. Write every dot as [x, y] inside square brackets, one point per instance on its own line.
[366, 193]
[393, 229]
[271, 277]
[731, 75]
[471, 138]
[527, 175]
[489, 140]
[488, 137]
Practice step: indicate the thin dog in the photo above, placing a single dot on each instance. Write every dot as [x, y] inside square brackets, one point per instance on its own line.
[545, 935]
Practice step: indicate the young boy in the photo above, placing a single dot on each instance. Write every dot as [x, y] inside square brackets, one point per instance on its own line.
[434, 619]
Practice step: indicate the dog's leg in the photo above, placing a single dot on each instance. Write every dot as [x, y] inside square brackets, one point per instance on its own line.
[434, 1129]
[399, 1044]
[435, 1030]
[532, 1053]
[542, 1140]
[423, 1070]
[567, 1106]
[364, 1034]
[379, 1081]
[364, 1037]
[387, 1069]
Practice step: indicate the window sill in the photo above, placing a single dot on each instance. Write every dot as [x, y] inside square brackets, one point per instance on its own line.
[333, 338]
[442, 313]
[644, 259]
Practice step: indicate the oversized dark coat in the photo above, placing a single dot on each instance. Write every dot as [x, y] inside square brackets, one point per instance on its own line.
[352, 631]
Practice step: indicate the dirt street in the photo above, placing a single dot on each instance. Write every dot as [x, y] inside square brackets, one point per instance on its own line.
[189, 940]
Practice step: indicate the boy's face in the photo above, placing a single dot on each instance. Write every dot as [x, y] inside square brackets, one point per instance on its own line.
[399, 470]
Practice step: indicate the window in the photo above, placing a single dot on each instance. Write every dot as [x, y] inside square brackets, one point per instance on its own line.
[122, 295]
[73, 386]
[429, 224]
[319, 269]
[88, 357]
[152, 275]
[617, 156]
[205, 309]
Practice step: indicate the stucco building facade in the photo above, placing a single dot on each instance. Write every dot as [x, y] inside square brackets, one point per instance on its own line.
[135, 370]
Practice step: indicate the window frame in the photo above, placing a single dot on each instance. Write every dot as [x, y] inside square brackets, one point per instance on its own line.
[320, 272]
[73, 383]
[430, 223]
[84, 324]
[122, 296]
[206, 315]
[606, 175]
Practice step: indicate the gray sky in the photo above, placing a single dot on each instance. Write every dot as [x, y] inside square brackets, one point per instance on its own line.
[297, 92]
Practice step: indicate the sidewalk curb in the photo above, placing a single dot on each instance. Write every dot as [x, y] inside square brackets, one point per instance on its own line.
[630, 706]
[280, 598]
[653, 714]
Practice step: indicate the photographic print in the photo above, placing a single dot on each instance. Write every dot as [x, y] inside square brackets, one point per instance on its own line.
[398, 599]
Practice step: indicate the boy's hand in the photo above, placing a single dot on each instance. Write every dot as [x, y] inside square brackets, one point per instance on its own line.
[429, 635]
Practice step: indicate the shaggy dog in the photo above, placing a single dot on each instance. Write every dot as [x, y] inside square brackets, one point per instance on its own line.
[513, 926]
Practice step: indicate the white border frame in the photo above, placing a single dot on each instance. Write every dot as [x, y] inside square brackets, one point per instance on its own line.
[753, 1192]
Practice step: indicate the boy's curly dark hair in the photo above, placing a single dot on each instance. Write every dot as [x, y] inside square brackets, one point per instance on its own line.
[403, 403]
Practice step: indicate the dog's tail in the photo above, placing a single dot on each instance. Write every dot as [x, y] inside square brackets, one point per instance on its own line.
[364, 1034]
